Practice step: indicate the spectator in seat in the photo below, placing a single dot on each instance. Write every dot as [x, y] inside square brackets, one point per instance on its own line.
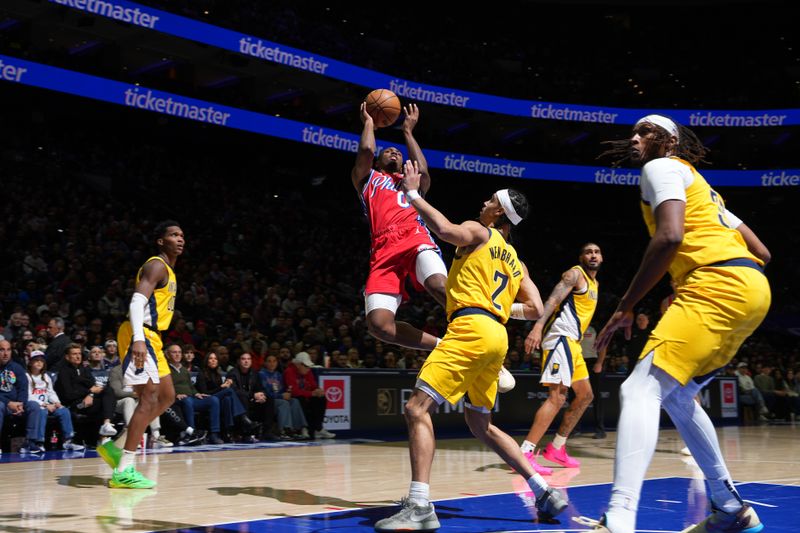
[291, 419]
[189, 361]
[301, 381]
[41, 391]
[210, 381]
[188, 397]
[78, 390]
[749, 393]
[14, 400]
[112, 354]
[247, 385]
[57, 348]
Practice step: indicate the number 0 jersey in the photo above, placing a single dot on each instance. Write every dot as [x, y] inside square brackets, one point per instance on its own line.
[161, 305]
[385, 203]
[488, 277]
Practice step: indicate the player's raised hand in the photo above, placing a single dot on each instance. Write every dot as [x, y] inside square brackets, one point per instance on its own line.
[366, 118]
[620, 319]
[412, 176]
[411, 112]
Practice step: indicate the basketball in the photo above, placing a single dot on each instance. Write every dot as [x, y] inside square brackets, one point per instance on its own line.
[383, 106]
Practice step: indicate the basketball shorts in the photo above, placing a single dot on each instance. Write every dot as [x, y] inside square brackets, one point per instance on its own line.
[155, 364]
[394, 257]
[715, 310]
[562, 361]
[467, 361]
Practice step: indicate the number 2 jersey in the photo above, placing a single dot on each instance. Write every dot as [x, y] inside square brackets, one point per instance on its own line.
[709, 237]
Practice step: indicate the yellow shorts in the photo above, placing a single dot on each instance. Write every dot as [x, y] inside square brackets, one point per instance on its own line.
[562, 361]
[155, 366]
[468, 360]
[715, 310]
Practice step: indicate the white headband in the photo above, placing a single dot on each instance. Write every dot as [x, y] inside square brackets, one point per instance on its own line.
[508, 207]
[660, 120]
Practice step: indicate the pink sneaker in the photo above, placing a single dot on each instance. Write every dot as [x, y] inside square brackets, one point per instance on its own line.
[539, 469]
[560, 456]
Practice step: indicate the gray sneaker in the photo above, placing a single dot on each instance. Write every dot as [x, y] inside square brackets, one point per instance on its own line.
[411, 517]
[551, 503]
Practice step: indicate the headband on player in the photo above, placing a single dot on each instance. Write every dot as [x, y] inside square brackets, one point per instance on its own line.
[662, 121]
[508, 207]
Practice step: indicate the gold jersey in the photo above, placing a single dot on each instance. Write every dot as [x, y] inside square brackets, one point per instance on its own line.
[708, 237]
[488, 278]
[161, 305]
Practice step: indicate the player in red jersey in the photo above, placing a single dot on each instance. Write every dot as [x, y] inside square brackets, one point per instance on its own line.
[402, 246]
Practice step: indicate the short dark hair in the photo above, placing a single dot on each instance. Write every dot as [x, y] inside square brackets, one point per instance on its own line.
[161, 228]
[584, 245]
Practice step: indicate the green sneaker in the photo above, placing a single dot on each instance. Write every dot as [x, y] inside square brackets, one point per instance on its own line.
[130, 478]
[110, 453]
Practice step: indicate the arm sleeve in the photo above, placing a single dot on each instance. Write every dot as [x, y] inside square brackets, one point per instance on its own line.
[664, 179]
[136, 313]
[733, 220]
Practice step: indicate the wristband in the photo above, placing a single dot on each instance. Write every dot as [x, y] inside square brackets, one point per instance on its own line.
[412, 195]
[518, 311]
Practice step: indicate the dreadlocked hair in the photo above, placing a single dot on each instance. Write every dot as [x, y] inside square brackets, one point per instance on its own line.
[689, 146]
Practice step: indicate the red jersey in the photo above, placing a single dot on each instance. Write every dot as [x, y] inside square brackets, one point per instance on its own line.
[385, 203]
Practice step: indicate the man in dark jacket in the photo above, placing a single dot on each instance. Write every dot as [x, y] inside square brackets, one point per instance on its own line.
[14, 398]
[58, 344]
[78, 390]
[247, 384]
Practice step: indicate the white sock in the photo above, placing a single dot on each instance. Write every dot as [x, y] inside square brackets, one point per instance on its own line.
[419, 493]
[537, 484]
[527, 446]
[189, 430]
[559, 442]
[621, 514]
[154, 434]
[127, 459]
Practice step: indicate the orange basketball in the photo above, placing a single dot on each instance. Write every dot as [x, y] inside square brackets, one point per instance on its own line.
[383, 106]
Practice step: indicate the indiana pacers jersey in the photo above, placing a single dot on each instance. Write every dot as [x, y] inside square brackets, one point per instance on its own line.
[575, 312]
[708, 237]
[488, 278]
[161, 305]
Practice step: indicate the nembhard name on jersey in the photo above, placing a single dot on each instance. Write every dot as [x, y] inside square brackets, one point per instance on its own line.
[501, 254]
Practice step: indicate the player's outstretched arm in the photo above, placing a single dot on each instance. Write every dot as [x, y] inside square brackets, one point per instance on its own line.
[366, 150]
[469, 233]
[414, 151]
[569, 281]
[529, 297]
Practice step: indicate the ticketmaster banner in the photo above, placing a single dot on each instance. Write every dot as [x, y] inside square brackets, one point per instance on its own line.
[266, 50]
[23, 72]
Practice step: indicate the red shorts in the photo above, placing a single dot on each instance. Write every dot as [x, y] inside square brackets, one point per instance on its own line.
[394, 256]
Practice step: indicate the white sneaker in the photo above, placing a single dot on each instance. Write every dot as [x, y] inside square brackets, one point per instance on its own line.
[162, 442]
[411, 517]
[304, 433]
[69, 445]
[107, 430]
[324, 434]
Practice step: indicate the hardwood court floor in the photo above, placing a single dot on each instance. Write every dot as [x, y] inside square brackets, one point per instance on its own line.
[208, 488]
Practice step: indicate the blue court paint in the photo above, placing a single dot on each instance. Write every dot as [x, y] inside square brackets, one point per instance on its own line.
[777, 505]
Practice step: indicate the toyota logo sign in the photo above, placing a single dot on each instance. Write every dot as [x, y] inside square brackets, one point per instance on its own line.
[334, 394]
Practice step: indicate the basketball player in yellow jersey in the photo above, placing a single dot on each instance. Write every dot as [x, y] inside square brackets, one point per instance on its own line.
[484, 281]
[144, 366]
[567, 313]
[722, 296]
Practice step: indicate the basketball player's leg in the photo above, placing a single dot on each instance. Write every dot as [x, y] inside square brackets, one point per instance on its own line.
[641, 397]
[145, 411]
[583, 397]
[547, 412]
[381, 309]
[431, 272]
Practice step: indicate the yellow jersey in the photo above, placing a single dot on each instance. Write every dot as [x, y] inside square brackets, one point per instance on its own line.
[488, 278]
[161, 305]
[576, 311]
[708, 237]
